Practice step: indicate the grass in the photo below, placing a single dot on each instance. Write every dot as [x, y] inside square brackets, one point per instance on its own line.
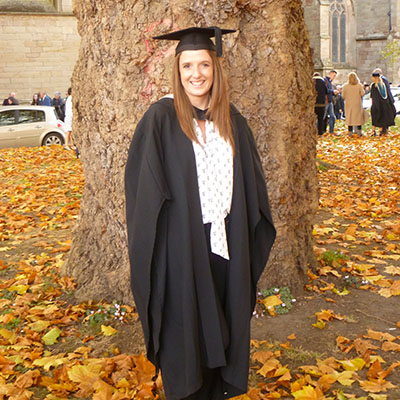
[333, 257]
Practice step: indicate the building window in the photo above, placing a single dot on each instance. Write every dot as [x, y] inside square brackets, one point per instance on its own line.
[338, 31]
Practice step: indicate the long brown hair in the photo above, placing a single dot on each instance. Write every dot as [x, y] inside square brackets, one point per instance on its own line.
[353, 79]
[219, 110]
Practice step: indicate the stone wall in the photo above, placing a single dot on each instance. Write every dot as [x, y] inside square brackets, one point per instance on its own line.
[312, 17]
[38, 52]
[372, 33]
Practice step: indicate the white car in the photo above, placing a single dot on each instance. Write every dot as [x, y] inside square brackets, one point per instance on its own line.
[396, 95]
[30, 126]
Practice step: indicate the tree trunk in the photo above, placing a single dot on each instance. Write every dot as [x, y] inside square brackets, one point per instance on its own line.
[121, 71]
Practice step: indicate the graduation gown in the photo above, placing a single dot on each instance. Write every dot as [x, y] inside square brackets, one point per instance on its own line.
[383, 111]
[171, 277]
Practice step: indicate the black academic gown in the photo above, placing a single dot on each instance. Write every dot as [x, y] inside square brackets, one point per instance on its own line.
[383, 111]
[170, 270]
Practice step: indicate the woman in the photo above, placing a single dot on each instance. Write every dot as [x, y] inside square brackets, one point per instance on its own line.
[35, 99]
[352, 94]
[199, 226]
[68, 120]
[383, 111]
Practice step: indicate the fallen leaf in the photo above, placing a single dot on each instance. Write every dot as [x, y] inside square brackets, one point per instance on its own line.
[108, 330]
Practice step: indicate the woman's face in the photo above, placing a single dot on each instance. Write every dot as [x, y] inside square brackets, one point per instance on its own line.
[197, 76]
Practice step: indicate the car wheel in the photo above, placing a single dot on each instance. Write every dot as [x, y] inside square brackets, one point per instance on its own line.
[52, 138]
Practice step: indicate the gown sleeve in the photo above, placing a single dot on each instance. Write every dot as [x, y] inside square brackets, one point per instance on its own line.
[261, 228]
[263, 231]
[146, 191]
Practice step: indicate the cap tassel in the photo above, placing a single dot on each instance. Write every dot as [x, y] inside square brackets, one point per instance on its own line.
[218, 40]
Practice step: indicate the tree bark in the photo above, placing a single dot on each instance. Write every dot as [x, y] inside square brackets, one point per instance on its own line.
[121, 71]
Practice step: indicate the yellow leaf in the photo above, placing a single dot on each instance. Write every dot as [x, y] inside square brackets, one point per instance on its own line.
[83, 373]
[345, 378]
[10, 336]
[344, 292]
[356, 364]
[108, 330]
[15, 359]
[392, 270]
[51, 337]
[308, 393]
[39, 326]
[378, 396]
[350, 238]
[271, 301]
[20, 289]
[51, 361]
[319, 324]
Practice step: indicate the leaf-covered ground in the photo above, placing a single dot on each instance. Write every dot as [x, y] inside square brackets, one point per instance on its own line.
[341, 340]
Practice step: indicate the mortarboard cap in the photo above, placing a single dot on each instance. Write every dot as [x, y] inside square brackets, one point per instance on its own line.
[196, 38]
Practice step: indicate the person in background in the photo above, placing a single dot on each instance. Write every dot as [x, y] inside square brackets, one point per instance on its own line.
[353, 92]
[59, 105]
[366, 87]
[329, 115]
[386, 82]
[68, 120]
[320, 101]
[383, 111]
[11, 100]
[199, 226]
[35, 99]
[44, 100]
[338, 103]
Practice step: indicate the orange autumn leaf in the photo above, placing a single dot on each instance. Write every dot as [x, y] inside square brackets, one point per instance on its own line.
[262, 356]
[325, 382]
[376, 386]
[28, 379]
[380, 335]
[390, 346]
[269, 368]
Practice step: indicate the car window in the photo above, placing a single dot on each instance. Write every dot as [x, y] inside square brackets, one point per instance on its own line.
[7, 117]
[29, 116]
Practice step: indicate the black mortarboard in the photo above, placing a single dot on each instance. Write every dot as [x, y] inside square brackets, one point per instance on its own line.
[196, 38]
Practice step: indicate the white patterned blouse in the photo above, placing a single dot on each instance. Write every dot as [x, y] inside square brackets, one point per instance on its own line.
[214, 163]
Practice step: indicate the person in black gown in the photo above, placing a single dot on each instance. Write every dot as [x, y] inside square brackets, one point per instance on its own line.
[383, 111]
[199, 226]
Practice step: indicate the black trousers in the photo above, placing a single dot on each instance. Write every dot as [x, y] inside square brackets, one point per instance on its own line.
[214, 388]
[321, 125]
[351, 127]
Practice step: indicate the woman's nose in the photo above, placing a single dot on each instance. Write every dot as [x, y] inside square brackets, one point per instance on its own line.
[196, 71]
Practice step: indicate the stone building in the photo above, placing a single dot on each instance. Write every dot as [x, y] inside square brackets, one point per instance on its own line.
[38, 45]
[348, 35]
